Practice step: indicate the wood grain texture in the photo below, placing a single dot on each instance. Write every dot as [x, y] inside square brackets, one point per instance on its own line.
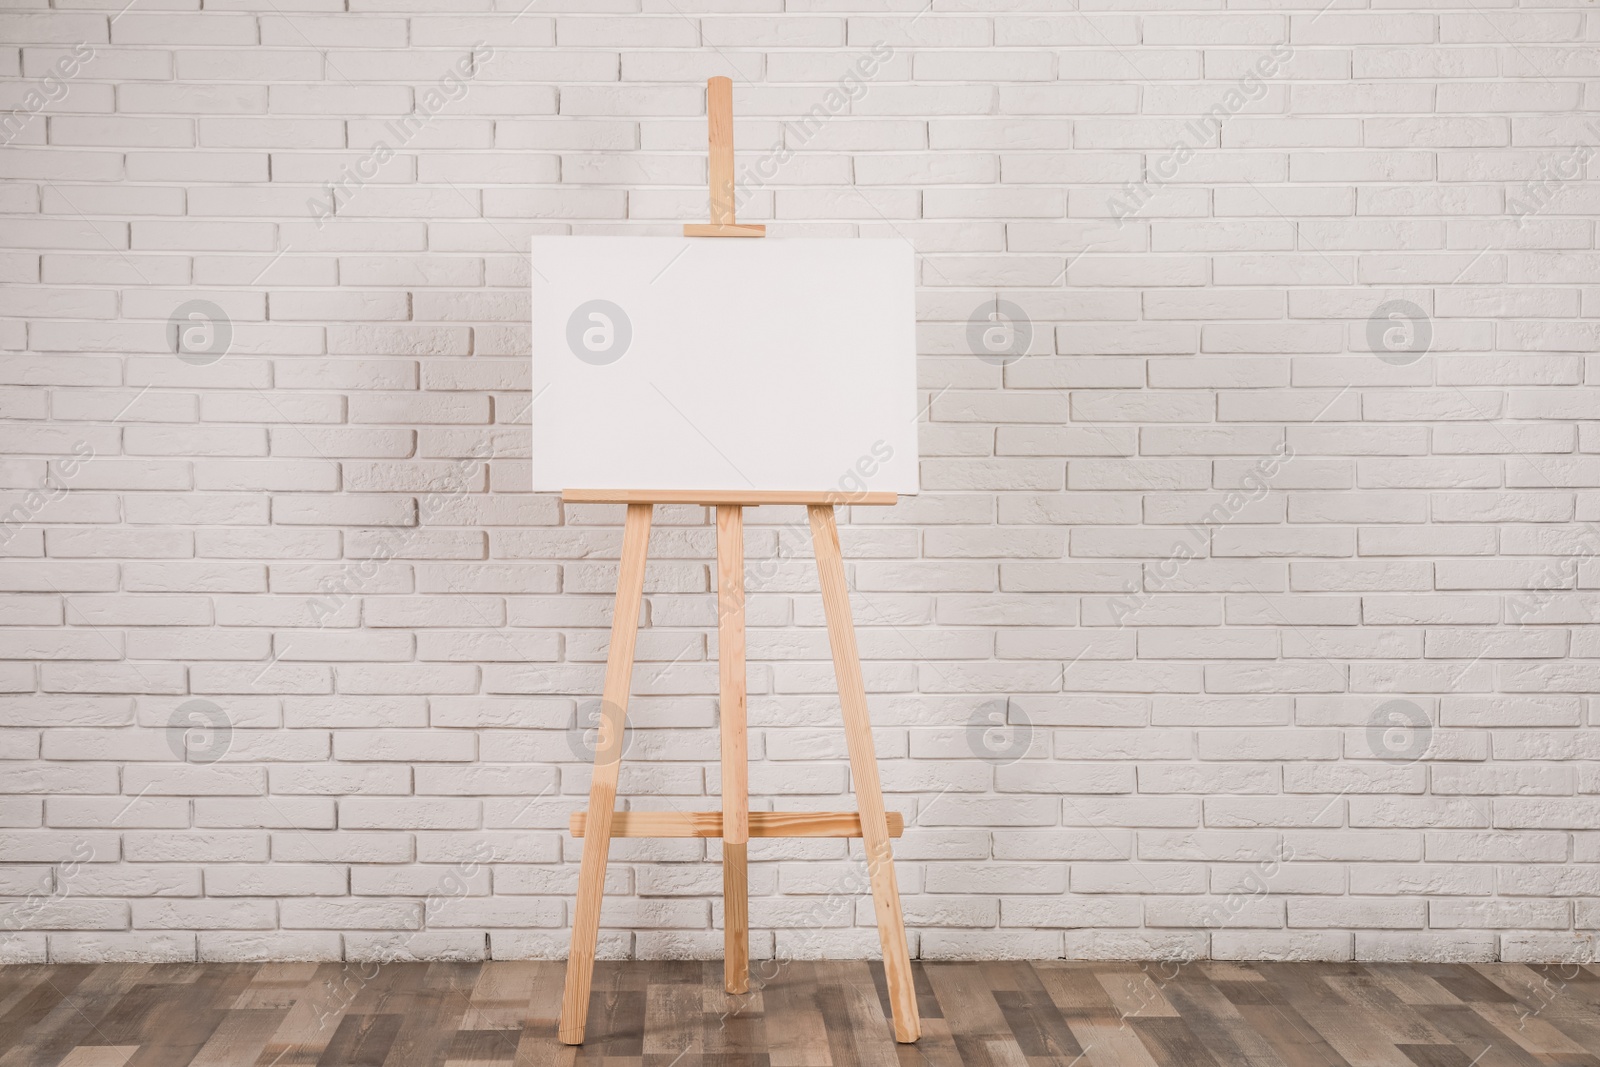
[735, 747]
[719, 140]
[601, 821]
[800, 1013]
[708, 229]
[607, 763]
[760, 824]
[719, 168]
[730, 675]
[864, 769]
[713, 497]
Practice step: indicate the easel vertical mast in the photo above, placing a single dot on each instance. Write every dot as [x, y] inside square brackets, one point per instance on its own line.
[735, 822]
[719, 172]
[735, 751]
[730, 602]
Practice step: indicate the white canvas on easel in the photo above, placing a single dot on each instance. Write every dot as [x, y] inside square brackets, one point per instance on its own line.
[670, 363]
[727, 373]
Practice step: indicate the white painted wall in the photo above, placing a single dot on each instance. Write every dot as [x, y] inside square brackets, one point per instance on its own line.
[1393, 551]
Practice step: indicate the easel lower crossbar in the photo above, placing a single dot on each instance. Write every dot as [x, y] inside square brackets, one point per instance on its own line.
[762, 824]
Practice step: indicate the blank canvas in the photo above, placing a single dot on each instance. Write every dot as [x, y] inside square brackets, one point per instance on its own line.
[724, 364]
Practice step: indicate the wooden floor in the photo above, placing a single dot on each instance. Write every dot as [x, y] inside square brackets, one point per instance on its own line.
[800, 1015]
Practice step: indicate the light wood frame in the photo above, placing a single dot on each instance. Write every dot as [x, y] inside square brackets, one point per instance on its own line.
[735, 823]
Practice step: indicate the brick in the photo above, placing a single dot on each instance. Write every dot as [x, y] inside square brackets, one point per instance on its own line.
[1428, 537]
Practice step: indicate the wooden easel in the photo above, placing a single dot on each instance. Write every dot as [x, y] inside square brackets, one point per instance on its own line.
[735, 823]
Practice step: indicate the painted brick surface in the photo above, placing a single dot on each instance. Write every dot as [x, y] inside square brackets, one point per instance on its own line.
[1249, 609]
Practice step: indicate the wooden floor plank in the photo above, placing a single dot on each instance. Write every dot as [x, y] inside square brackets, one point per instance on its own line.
[1136, 994]
[1411, 985]
[1216, 1022]
[45, 993]
[187, 1015]
[536, 1048]
[17, 983]
[801, 1014]
[1536, 1033]
[79, 998]
[1171, 1041]
[1470, 987]
[1110, 1041]
[836, 1022]
[1036, 1025]
[617, 1000]
[673, 1019]
[870, 1016]
[1349, 1034]
[99, 1056]
[244, 1032]
[1402, 1023]
[1296, 1042]
[1075, 990]
[1466, 1029]
[965, 984]
[500, 998]
[361, 1041]
[439, 1000]
[797, 1035]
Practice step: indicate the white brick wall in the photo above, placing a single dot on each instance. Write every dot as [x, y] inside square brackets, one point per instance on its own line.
[1304, 631]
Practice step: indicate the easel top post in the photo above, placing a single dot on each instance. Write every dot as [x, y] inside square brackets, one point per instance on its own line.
[719, 133]
[719, 170]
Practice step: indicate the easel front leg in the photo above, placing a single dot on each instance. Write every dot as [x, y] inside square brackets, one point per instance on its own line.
[864, 770]
[735, 763]
[607, 763]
